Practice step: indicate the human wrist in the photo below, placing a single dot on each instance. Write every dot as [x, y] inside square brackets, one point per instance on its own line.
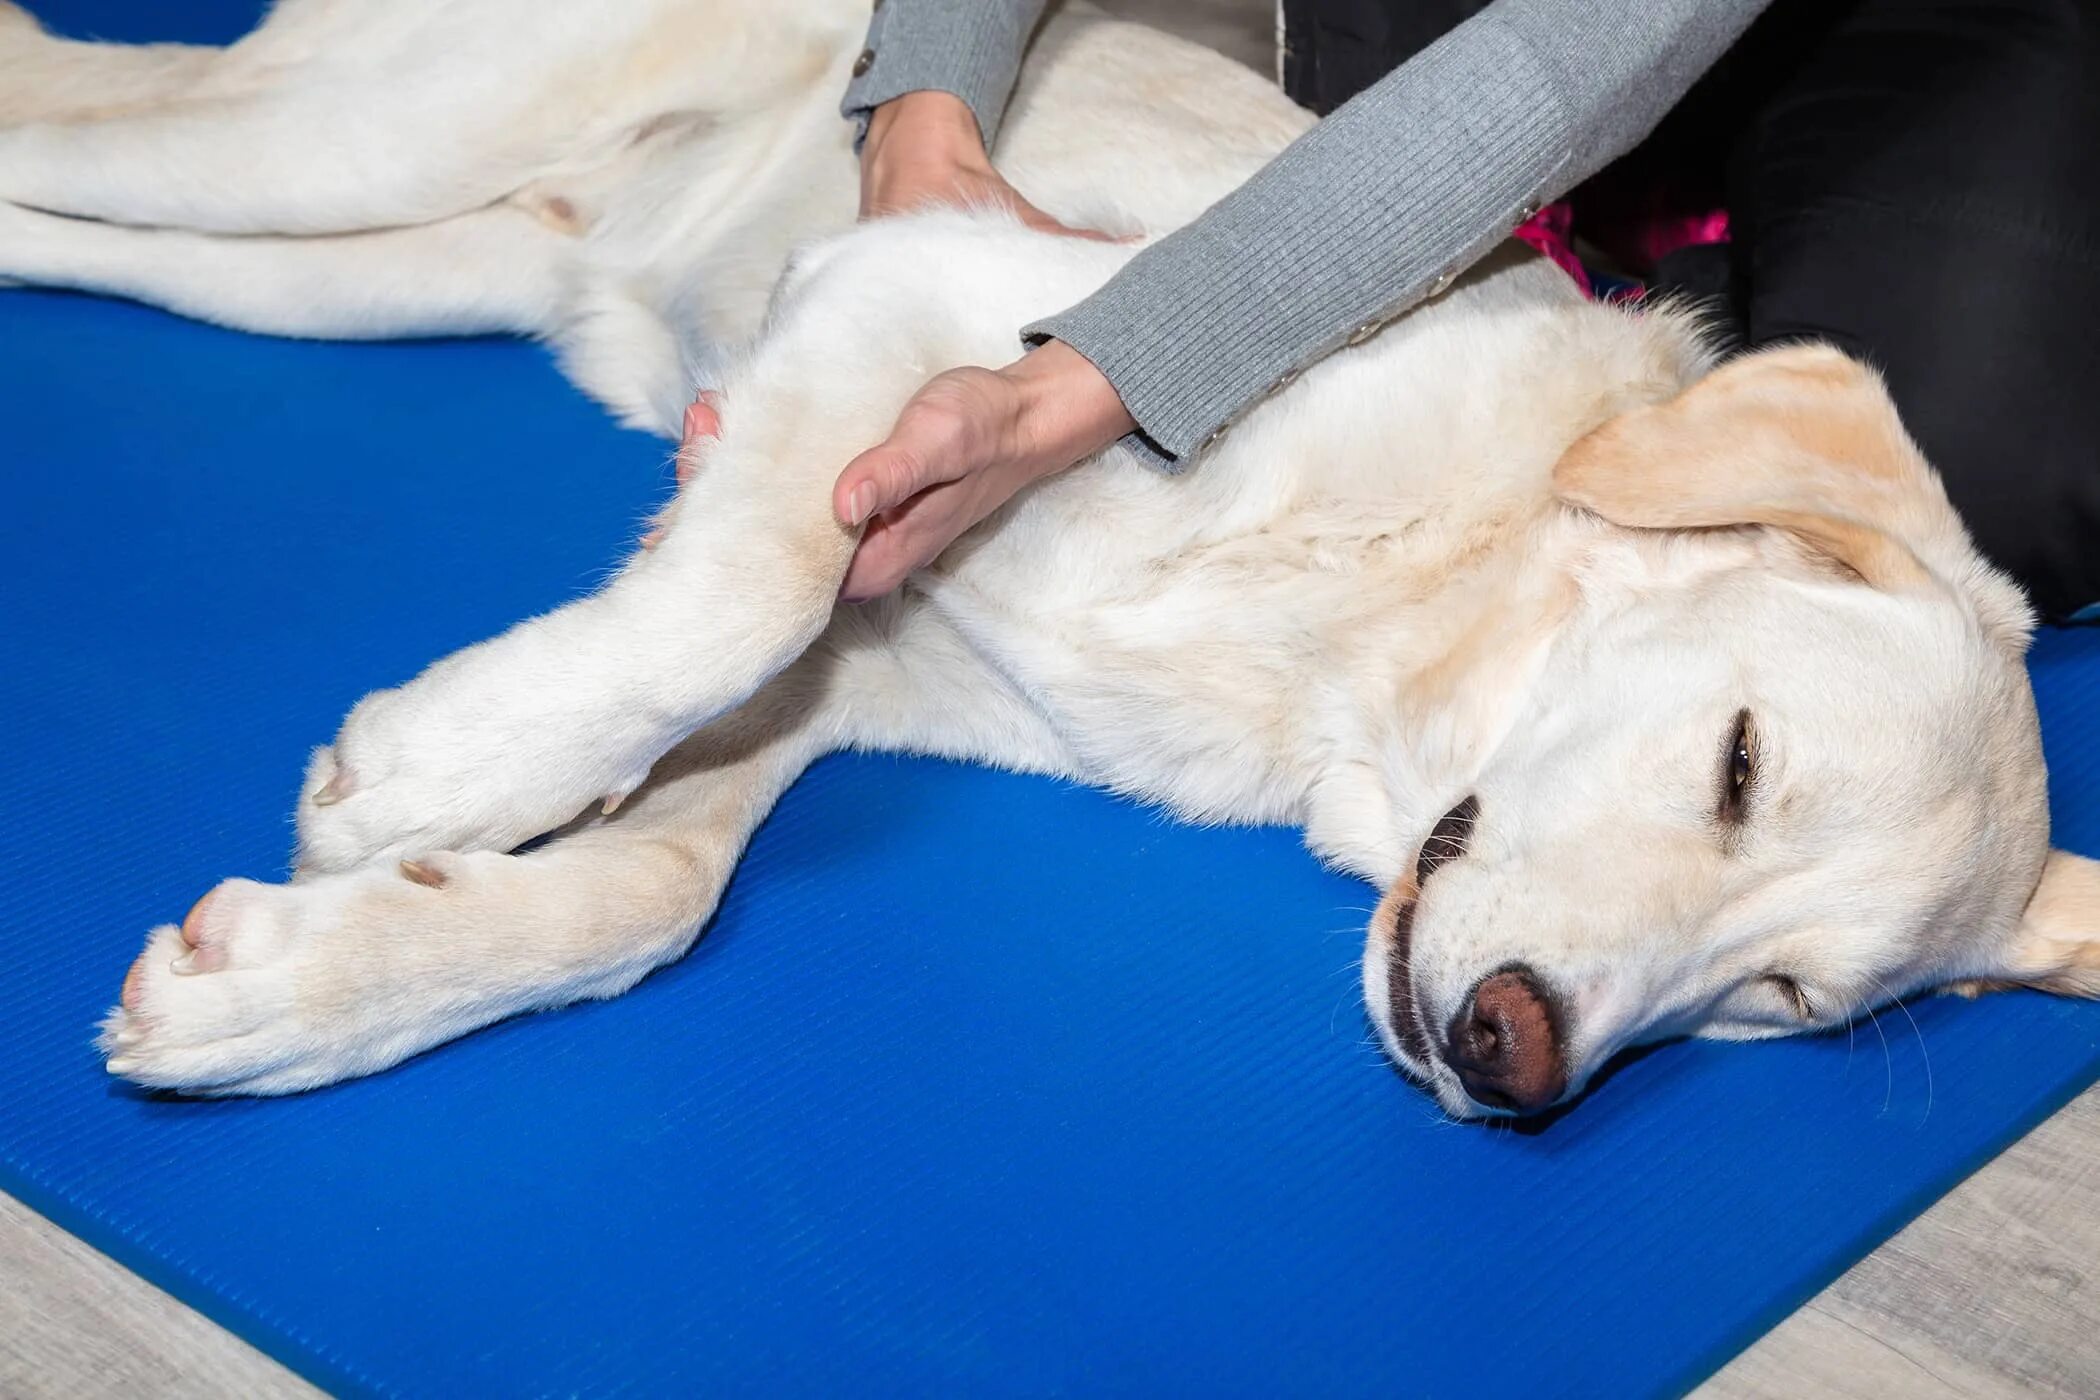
[1067, 409]
[925, 125]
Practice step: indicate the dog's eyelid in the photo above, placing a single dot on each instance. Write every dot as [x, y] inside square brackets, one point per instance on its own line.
[1791, 989]
[1738, 773]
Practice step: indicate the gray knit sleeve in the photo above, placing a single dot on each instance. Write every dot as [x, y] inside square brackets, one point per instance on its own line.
[971, 48]
[1384, 202]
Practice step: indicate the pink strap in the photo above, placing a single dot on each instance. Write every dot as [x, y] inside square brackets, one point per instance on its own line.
[1548, 232]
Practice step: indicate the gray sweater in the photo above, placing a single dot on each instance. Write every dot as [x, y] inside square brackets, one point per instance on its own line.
[1373, 210]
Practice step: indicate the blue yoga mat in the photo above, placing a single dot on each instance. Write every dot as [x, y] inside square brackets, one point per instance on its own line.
[978, 1083]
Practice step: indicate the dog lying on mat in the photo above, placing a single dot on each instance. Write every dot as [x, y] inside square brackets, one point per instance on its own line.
[1660, 698]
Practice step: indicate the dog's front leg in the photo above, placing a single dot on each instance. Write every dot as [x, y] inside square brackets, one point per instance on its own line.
[513, 737]
[267, 989]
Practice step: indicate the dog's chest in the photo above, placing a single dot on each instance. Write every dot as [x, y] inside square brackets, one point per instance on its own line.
[1222, 675]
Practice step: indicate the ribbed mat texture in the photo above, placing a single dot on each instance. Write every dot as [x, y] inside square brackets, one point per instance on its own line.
[978, 1084]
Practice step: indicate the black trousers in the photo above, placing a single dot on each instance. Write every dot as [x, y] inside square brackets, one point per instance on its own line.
[1917, 181]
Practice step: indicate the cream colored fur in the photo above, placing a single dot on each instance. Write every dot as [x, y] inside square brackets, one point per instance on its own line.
[1367, 602]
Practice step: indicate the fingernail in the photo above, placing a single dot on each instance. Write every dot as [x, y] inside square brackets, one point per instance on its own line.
[862, 504]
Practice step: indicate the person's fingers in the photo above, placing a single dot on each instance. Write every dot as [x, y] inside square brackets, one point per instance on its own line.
[898, 544]
[880, 564]
[703, 416]
[1036, 219]
[703, 420]
[931, 444]
[902, 541]
[879, 478]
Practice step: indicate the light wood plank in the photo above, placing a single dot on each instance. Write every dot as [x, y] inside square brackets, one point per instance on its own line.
[73, 1323]
[1995, 1291]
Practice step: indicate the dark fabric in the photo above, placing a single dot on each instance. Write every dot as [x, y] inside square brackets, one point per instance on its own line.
[1334, 49]
[1917, 181]
[1925, 191]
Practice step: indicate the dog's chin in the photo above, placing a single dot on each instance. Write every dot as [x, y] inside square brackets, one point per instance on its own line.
[1430, 1075]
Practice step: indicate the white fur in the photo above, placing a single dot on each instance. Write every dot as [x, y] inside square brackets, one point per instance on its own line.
[1362, 605]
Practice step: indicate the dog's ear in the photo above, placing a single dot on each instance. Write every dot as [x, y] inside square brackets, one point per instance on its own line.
[1802, 439]
[2056, 947]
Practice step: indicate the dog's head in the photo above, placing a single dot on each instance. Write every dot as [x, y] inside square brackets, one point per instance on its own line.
[1781, 765]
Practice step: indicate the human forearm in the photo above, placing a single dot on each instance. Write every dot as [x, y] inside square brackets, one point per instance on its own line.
[1383, 202]
[971, 48]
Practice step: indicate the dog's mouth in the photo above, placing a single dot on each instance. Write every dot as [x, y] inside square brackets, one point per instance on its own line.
[1406, 1016]
[1446, 842]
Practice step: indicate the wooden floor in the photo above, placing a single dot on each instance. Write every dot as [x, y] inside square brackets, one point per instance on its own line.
[1994, 1292]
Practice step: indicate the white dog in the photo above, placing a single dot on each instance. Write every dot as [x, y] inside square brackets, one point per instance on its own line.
[1660, 700]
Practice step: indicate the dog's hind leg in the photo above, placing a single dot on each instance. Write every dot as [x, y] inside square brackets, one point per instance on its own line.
[287, 160]
[492, 270]
[360, 117]
[269, 989]
[47, 78]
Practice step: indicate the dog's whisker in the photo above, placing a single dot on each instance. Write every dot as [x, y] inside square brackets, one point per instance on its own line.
[1923, 1054]
[1888, 1060]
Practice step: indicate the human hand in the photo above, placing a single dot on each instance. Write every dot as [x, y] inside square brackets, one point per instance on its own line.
[924, 148]
[964, 444]
[703, 424]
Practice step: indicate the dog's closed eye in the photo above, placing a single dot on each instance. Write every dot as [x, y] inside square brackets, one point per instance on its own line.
[1796, 998]
[1738, 771]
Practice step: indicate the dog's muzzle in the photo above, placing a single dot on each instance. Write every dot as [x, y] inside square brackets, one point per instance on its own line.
[1446, 843]
[1505, 1042]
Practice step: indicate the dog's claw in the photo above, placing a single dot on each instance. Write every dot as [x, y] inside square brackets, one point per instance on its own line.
[424, 874]
[337, 788]
[612, 803]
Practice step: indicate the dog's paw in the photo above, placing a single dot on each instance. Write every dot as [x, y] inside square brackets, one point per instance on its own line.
[371, 796]
[485, 750]
[213, 1004]
[269, 989]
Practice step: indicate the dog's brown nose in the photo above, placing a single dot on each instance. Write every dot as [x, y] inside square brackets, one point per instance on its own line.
[1505, 1043]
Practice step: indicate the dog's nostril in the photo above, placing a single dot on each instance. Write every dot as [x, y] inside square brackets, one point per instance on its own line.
[1505, 1043]
[1474, 1040]
[1447, 839]
[1482, 1042]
